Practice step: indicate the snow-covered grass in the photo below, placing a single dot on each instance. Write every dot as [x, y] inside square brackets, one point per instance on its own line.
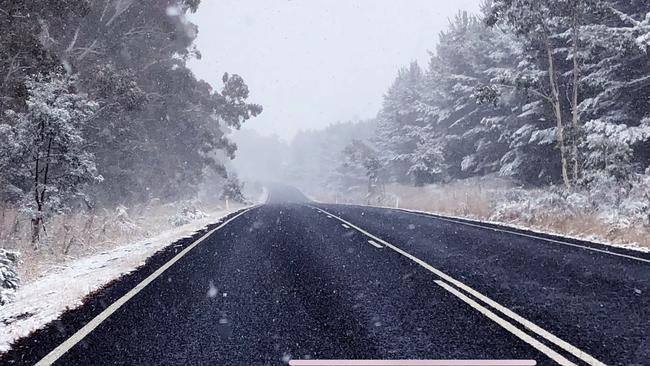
[71, 236]
[119, 242]
[598, 215]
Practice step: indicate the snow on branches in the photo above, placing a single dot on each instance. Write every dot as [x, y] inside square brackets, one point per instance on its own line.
[45, 142]
[8, 275]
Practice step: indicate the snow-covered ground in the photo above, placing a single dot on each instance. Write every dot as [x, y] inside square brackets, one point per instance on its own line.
[531, 231]
[63, 287]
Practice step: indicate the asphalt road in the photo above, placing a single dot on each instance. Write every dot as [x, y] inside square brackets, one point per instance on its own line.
[293, 279]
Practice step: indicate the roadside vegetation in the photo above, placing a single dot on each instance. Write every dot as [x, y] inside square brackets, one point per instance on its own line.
[549, 98]
[74, 235]
[585, 215]
[106, 136]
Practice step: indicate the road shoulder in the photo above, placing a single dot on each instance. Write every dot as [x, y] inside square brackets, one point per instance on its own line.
[47, 314]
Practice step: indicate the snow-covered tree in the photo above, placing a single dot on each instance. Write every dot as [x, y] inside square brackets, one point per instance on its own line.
[155, 120]
[26, 28]
[360, 166]
[586, 58]
[468, 122]
[51, 162]
[401, 110]
[540, 24]
[232, 189]
[610, 153]
[9, 280]
[615, 79]
[467, 55]
[428, 161]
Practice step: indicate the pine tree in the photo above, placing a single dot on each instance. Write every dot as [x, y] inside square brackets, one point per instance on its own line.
[465, 131]
[539, 23]
[471, 122]
[9, 279]
[362, 166]
[401, 111]
[616, 77]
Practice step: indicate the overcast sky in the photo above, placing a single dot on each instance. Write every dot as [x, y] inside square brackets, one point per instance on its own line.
[314, 62]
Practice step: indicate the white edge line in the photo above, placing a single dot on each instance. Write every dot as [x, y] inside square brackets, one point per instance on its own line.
[457, 220]
[507, 312]
[374, 244]
[64, 347]
[379, 240]
[534, 237]
[507, 326]
[345, 226]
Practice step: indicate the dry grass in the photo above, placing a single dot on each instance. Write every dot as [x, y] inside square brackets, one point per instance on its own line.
[479, 199]
[473, 199]
[458, 199]
[74, 235]
[591, 228]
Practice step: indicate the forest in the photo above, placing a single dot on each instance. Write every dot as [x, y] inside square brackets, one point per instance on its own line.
[98, 106]
[534, 113]
[546, 92]
[99, 113]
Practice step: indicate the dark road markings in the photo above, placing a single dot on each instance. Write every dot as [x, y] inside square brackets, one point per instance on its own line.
[502, 309]
[59, 351]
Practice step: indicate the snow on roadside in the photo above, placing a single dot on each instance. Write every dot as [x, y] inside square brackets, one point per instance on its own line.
[43, 300]
[532, 230]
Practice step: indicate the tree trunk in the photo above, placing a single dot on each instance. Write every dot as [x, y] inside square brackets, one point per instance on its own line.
[575, 115]
[369, 191]
[68, 246]
[557, 111]
[39, 196]
[36, 231]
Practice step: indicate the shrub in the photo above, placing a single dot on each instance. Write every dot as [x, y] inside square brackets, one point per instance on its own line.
[187, 215]
[8, 275]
